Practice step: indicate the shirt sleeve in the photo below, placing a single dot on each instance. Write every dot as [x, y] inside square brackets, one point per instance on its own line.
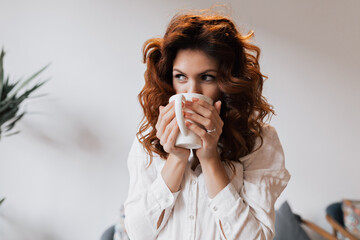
[148, 197]
[249, 213]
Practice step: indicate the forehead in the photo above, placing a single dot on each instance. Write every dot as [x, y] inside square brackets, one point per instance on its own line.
[189, 59]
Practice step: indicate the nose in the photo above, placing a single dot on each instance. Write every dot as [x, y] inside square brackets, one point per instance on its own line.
[194, 86]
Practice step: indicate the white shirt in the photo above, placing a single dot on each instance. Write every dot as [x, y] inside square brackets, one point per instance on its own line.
[245, 207]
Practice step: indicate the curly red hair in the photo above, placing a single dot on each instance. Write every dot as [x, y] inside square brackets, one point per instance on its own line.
[239, 79]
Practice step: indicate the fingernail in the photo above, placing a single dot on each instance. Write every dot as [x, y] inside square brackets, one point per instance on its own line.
[187, 123]
[195, 99]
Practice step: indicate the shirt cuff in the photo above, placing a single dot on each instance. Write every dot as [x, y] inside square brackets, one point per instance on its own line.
[224, 201]
[161, 194]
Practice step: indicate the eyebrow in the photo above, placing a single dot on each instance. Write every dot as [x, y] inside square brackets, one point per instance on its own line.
[206, 71]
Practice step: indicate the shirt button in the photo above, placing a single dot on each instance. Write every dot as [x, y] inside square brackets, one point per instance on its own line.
[215, 209]
[193, 181]
[192, 217]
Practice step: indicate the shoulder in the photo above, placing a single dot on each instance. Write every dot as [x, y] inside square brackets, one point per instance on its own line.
[137, 148]
[268, 132]
[268, 153]
[270, 140]
[142, 174]
[139, 157]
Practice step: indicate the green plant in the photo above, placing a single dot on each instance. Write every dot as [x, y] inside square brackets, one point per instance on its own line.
[10, 98]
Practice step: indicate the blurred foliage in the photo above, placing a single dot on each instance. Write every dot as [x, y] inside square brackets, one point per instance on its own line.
[10, 98]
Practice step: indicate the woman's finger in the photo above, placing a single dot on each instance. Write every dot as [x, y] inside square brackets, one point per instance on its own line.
[217, 106]
[169, 145]
[166, 115]
[163, 110]
[209, 118]
[205, 122]
[167, 131]
[171, 140]
[202, 102]
[203, 110]
[202, 133]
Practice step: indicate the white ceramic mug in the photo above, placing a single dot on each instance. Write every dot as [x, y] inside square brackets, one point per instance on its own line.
[186, 138]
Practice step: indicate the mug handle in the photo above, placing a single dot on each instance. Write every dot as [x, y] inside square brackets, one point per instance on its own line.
[179, 115]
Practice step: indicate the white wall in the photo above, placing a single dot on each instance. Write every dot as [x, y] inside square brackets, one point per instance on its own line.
[64, 176]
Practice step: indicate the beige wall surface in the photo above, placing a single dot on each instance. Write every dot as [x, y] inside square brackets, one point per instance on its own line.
[65, 176]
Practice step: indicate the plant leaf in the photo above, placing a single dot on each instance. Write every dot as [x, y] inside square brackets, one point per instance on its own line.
[28, 92]
[27, 81]
[8, 115]
[39, 95]
[12, 124]
[17, 100]
[7, 87]
[5, 104]
[10, 102]
[2, 54]
[10, 134]
[2, 200]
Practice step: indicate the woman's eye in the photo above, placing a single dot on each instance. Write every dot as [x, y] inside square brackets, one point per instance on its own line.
[207, 78]
[180, 77]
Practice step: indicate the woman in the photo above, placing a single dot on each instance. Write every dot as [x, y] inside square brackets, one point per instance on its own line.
[226, 189]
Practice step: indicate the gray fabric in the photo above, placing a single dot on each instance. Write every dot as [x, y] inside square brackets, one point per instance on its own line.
[108, 234]
[287, 225]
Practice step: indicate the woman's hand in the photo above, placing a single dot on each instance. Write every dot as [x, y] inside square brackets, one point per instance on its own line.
[168, 130]
[210, 129]
[207, 116]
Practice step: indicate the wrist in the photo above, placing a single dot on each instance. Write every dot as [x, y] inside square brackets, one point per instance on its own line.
[211, 163]
[215, 176]
[173, 172]
[212, 158]
[178, 160]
